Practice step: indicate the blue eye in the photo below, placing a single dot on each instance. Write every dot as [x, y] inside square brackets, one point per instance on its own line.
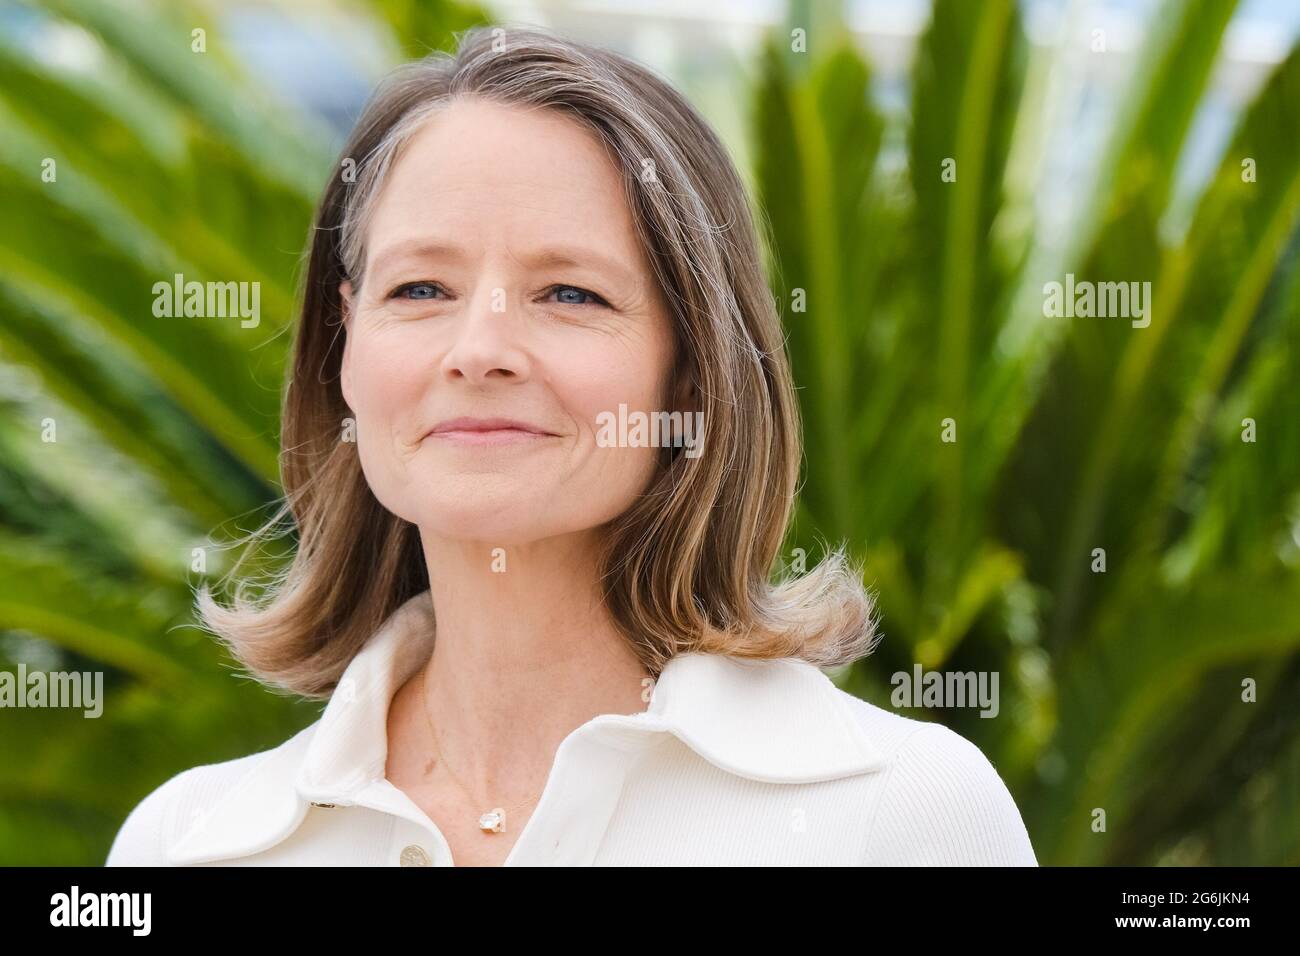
[572, 295]
[417, 290]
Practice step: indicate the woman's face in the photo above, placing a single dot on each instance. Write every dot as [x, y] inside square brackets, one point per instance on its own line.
[503, 284]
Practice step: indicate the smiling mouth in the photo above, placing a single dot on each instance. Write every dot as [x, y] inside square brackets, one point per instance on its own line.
[489, 431]
[488, 436]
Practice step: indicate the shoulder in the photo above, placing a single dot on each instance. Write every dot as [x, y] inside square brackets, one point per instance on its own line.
[941, 801]
[178, 804]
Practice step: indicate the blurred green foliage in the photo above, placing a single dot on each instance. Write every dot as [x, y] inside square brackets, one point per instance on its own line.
[924, 301]
[920, 300]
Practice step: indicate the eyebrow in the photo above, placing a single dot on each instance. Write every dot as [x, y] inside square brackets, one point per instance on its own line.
[419, 249]
[546, 257]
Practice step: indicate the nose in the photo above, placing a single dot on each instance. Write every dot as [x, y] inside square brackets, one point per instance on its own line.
[486, 344]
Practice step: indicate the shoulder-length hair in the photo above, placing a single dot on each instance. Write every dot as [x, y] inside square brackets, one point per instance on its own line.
[689, 566]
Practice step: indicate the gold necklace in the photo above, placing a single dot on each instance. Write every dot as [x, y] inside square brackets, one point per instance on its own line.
[490, 821]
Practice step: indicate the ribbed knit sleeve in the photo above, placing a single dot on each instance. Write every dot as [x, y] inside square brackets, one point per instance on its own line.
[944, 804]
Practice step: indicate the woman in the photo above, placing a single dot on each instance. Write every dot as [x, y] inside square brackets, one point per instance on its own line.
[541, 408]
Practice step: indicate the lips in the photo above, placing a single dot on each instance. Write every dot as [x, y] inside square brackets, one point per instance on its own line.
[487, 431]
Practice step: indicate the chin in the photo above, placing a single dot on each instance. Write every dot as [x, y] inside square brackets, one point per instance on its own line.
[499, 520]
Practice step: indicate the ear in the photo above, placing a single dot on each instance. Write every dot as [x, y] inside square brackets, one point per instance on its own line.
[686, 397]
[345, 370]
[683, 397]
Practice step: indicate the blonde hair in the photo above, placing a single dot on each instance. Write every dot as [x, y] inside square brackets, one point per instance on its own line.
[689, 566]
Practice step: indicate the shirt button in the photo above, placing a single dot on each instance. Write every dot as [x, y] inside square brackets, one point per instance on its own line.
[414, 855]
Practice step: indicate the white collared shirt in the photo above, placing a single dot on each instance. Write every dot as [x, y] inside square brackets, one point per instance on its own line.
[735, 762]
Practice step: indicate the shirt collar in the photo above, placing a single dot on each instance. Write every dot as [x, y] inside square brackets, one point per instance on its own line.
[775, 721]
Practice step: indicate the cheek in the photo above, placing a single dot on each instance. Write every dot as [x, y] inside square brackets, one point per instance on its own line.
[593, 378]
[387, 379]
[390, 382]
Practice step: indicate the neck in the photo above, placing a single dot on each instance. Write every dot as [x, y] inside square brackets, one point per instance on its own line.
[525, 653]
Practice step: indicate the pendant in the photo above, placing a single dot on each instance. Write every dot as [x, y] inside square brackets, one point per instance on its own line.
[494, 821]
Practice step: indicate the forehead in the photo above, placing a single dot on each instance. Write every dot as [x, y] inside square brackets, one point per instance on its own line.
[480, 170]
